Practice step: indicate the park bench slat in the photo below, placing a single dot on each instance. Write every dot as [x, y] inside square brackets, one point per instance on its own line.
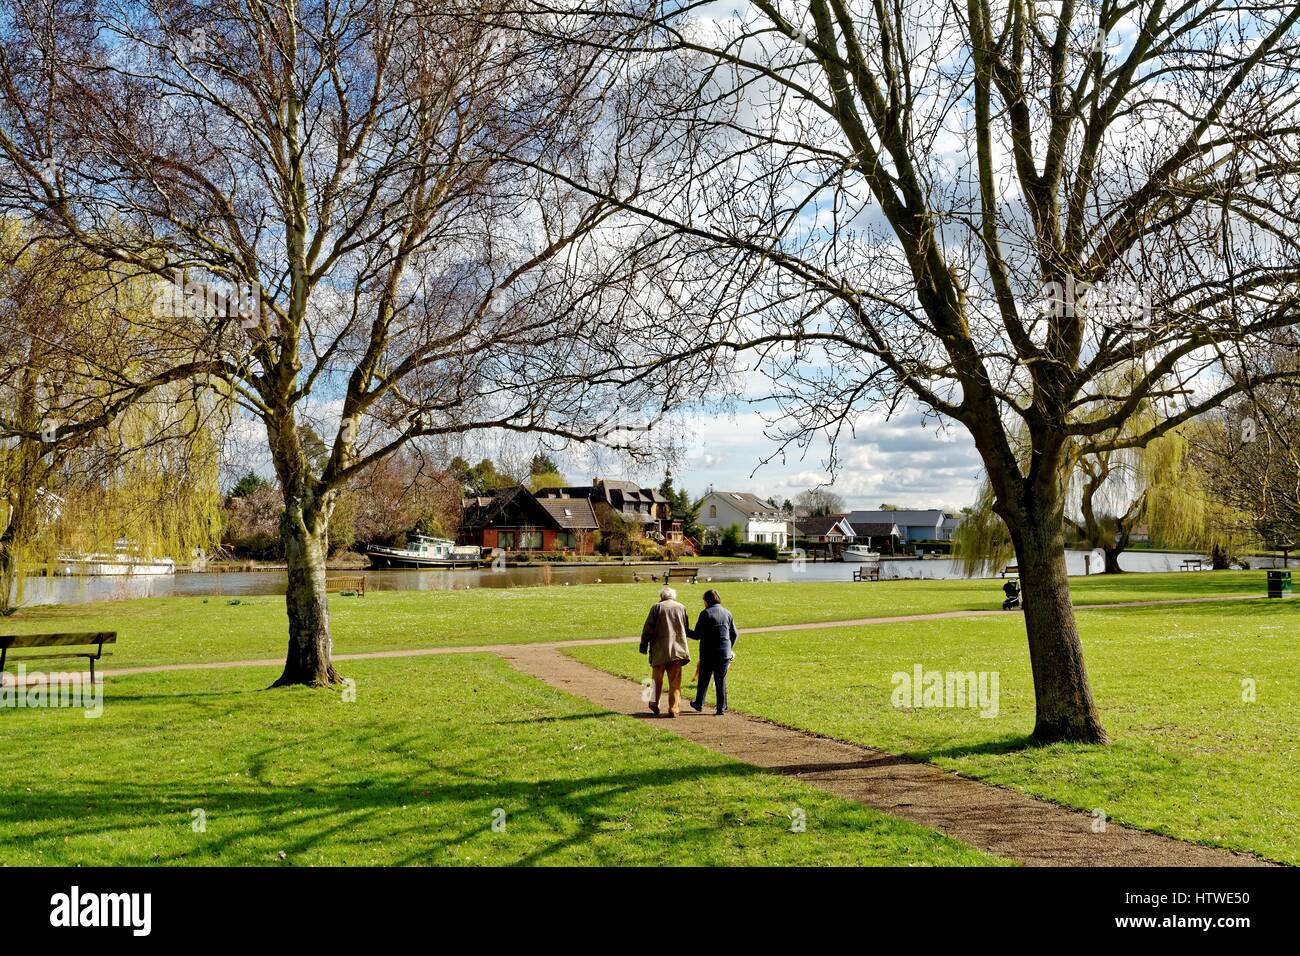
[51, 657]
[58, 640]
[683, 573]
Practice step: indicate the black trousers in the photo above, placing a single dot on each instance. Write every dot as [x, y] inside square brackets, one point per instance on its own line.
[712, 669]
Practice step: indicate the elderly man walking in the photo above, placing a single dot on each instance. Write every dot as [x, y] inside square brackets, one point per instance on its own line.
[664, 637]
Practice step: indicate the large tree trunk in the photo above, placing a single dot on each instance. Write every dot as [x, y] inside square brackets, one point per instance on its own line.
[1065, 710]
[306, 543]
[1112, 560]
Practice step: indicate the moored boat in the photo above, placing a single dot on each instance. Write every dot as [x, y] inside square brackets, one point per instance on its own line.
[124, 560]
[423, 551]
[860, 553]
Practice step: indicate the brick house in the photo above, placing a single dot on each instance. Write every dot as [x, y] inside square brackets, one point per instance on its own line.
[514, 519]
[647, 511]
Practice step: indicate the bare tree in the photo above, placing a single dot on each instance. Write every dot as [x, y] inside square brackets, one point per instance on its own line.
[985, 208]
[819, 501]
[1249, 451]
[340, 195]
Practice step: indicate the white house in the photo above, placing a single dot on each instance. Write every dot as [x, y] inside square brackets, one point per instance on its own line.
[759, 520]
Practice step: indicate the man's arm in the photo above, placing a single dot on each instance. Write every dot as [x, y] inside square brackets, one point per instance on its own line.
[731, 624]
[648, 629]
[699, 623]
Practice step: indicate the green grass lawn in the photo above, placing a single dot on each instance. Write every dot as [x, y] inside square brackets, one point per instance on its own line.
[411, 772]
[1190, 758]
[171, 630]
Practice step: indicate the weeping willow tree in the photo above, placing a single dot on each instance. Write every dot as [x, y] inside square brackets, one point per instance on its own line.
[1115, 492]
[145, 472]
[982, 540]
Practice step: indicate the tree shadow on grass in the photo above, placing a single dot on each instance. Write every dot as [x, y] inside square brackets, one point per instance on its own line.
[194, 696]
[550, 719]
[1013, 743]
[250, 823]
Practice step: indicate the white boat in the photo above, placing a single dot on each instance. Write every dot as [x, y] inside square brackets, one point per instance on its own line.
[860, 553]
[124, 560]
[423, 551]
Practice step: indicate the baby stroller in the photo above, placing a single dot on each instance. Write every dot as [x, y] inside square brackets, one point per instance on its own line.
[1012, 590]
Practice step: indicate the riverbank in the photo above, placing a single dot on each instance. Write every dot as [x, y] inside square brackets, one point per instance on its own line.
[351, 561]
[165, 630]
[712, 570]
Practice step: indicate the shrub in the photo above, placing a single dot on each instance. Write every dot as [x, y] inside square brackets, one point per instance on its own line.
[758, 549]
[731, 540]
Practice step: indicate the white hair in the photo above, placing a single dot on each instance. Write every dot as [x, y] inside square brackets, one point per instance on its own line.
[668, 594]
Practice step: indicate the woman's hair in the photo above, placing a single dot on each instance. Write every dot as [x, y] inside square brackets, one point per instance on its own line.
[712, 597]
[668, 594]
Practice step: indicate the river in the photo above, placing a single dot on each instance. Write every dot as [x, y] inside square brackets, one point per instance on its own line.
[81, 590]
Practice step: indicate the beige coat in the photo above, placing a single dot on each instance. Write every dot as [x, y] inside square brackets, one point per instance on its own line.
[665, 631]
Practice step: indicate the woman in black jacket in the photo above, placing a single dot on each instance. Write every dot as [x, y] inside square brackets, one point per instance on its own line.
[716, 632]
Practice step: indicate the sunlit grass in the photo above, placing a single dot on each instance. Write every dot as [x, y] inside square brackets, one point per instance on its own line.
[1192, 756]
[413, 772]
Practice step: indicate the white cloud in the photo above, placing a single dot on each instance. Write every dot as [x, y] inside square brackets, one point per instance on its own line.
[903, 461]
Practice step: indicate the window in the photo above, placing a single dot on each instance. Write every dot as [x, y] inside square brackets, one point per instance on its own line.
[530, 541]
[713, 511]
[506, 540]
[565, 540]
[568, 512]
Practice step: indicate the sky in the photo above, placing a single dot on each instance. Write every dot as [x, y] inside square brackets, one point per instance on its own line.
[901, 461]
[904, 460]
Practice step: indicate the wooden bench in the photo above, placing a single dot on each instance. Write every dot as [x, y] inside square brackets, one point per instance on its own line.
[868, 572]
[1011, 569]
[355, 583]
[1192, 564]
[688, 575]
[95, 639]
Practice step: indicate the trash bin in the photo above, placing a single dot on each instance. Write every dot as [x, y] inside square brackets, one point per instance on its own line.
[1279, 584]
